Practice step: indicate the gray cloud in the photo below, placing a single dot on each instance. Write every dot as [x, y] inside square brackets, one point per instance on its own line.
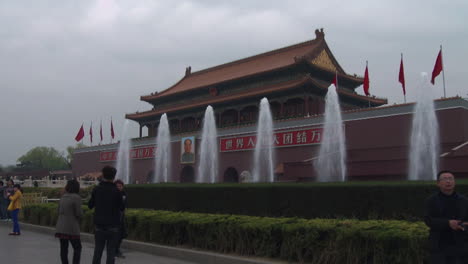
[64, 63]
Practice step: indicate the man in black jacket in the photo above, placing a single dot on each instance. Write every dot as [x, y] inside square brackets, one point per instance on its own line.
[107, 201]
[447, 217]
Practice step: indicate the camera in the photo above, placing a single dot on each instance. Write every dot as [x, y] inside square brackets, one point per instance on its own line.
[465, 227]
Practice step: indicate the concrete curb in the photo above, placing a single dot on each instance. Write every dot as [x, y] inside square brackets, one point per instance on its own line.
[197, 256]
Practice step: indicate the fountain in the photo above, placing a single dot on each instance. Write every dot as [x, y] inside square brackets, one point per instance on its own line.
[263, 154]
[208, 168]
[424, 145]
[331, 162]
[163, 151]
[123, 156]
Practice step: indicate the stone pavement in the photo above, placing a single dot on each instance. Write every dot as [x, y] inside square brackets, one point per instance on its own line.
[37, 244]
[34, 247]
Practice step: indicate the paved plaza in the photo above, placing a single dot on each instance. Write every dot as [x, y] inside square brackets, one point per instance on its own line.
[34, 247]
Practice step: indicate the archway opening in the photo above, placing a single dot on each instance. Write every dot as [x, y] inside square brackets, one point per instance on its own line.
[150, 176]
[187, 174]
[231, 175]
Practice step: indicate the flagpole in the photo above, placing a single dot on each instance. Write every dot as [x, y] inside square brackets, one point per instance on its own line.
[90, 134]
[404, 94]
[369, 85]
[443, 69]
[100, 133]
[112, 128]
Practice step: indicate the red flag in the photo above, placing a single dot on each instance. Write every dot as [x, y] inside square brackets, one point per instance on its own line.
[91, 132]
[80, 134]
[100, 131]
[366, 81]
[437, 67]
[112, 130]
[401, 76]
[335, 80]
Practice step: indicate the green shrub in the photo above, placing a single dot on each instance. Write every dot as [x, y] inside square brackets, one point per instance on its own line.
[361, 200]
[294, 239]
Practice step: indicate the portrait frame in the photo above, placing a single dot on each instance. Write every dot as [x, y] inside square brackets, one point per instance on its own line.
[187, 157]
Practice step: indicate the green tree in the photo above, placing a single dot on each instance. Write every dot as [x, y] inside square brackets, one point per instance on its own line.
[44, 158]
[71, 150]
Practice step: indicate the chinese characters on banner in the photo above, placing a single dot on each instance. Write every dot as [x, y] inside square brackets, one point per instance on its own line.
[137, 153]
[281, 139]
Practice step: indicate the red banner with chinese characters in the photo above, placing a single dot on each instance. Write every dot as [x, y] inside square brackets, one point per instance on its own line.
[137, 153]
[281, 139]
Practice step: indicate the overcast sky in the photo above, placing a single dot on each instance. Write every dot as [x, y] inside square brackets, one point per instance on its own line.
[63, 63]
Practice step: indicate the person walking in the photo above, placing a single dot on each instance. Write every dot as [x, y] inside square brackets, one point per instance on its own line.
[68, 222]
[123, 229]
[3, 202]
[14, 208]
[447, 217]
[107, 201]
[6, 200]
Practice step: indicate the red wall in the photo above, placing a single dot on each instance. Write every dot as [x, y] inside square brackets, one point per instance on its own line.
[377, 148]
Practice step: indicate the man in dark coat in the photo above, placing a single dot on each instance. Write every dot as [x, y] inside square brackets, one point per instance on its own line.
[108, 204]
[447, 217]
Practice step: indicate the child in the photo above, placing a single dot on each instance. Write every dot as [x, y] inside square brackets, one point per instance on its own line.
[123, 230]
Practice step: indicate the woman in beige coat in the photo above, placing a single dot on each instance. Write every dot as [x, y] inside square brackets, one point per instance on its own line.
[68, 222]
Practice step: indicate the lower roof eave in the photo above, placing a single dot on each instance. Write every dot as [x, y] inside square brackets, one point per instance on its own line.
[142, 116]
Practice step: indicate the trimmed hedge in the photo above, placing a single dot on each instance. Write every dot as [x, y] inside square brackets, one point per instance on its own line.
[294, 239]
[361, 200]
[46, 215]
[56, 192]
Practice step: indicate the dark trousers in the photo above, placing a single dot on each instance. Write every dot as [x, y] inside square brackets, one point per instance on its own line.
[105, 237]
[122, 235]
[14, 217]
[76, 245]
[117, 247]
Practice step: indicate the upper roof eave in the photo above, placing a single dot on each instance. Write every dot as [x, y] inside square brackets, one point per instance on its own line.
[341, 75]
[256, 64]
[358, 80]
[151, 98]
[344, 92]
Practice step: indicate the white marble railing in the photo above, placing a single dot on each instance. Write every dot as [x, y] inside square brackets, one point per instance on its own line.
[50, 183]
